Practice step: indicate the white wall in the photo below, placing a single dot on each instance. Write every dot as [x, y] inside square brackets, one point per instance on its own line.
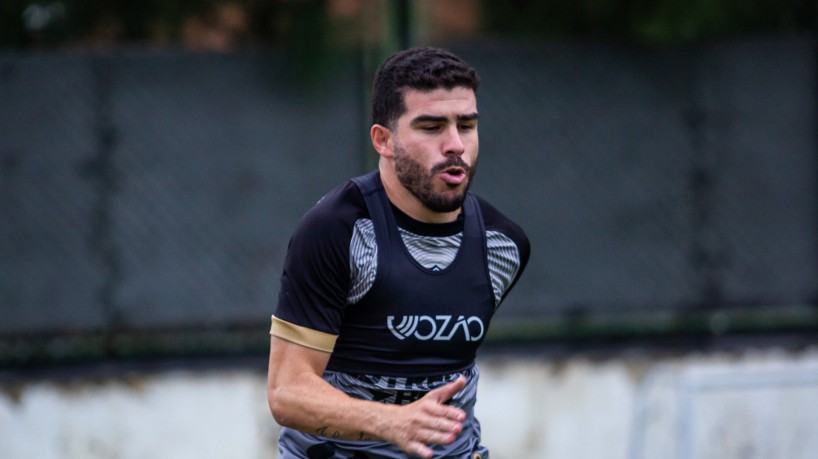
[748, 405]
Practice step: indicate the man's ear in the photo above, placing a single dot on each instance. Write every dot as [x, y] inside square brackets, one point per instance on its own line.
[381, 140]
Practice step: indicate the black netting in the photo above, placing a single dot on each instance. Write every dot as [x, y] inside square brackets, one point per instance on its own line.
[145, 191]
[161, 190]
[654, 181]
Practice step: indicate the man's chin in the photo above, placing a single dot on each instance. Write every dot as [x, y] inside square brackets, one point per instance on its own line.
[446, 202]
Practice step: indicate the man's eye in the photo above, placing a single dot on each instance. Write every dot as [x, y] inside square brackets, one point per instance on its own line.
[432, 128]
[467, 127]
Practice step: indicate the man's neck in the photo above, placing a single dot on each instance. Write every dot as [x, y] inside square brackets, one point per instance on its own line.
[427, 229]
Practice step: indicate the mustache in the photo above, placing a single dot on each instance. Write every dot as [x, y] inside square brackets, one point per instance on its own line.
[452, 161]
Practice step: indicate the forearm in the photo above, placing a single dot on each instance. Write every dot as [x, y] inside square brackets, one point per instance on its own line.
[313, 406]
[301, 399]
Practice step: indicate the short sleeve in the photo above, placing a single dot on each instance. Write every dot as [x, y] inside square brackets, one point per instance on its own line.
[315, 278]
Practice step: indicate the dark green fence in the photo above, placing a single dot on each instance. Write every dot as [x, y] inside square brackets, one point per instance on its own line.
[146, 199]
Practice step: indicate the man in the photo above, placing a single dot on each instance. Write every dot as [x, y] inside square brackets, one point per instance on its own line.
[390, 282]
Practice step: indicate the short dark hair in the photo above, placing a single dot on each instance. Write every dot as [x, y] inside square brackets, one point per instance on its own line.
[422, 68]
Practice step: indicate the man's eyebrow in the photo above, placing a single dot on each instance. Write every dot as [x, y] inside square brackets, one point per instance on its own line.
[429, 119]
[443, 119]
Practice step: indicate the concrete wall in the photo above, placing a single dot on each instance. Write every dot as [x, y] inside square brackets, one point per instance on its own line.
[746, 405]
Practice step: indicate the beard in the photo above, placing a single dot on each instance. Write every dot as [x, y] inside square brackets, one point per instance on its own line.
[412, 175]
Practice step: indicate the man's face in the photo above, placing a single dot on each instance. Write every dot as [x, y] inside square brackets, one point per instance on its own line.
[436, 145]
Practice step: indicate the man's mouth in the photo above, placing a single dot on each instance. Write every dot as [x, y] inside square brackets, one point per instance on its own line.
[453, 175]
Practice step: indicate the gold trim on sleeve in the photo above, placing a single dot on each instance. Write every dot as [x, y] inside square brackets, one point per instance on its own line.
[304, 336]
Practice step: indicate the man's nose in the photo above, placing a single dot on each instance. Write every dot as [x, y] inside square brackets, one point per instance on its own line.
[453, 142]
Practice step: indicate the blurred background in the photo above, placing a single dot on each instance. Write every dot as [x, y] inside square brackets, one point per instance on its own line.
[662, 156]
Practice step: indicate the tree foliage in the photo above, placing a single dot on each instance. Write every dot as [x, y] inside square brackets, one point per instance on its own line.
[648, 21]
[299, 23]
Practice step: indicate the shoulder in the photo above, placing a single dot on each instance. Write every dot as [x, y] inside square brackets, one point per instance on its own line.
[322, 237]
[316, 270]
[496, 221]
[334, 215]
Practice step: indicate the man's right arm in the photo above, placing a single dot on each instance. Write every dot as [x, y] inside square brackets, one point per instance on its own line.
[301, 399]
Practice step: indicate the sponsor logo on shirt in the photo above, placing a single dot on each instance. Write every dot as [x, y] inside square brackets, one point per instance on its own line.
[436, 328]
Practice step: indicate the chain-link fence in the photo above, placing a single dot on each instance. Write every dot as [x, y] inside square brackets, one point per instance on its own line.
[144, 192]
[662, 189]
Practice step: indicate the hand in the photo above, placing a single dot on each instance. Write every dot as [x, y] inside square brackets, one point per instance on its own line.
[428, 421]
